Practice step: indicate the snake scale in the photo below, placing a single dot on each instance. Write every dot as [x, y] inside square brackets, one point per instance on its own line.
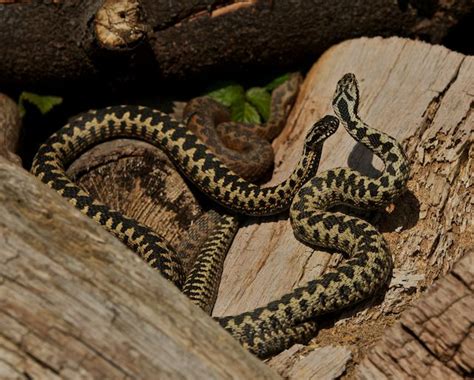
[273, 327]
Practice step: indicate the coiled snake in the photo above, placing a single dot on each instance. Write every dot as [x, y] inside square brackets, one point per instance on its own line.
[271, 328]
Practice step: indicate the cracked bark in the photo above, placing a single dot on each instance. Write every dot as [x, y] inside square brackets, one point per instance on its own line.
[75, 302]
[437, 333]
[129, 40]
[422, 95]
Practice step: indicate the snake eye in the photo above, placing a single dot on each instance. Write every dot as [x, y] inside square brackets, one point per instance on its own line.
[321, 130]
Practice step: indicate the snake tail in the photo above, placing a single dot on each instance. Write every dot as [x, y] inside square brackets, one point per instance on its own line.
[203, 280]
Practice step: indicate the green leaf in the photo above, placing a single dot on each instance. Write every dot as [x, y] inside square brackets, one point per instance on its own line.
[43, 103]
[261, 100]
[277, 81]
[244, 112]
[228, 95]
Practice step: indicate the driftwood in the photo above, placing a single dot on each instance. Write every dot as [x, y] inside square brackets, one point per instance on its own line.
[129, 40]
[420, 94]
[74, 302]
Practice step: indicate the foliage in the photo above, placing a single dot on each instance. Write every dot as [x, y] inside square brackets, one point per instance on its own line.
[42, 102]
[251, 106]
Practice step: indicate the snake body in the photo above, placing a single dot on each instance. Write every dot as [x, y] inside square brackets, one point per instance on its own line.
[244, 148]
[271, 328]
[369, 264]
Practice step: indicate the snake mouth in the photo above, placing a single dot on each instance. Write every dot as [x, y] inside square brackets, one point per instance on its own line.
[321, 130]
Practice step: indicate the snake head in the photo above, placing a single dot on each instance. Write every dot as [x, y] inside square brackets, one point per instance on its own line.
[320, 131]
[346, 96]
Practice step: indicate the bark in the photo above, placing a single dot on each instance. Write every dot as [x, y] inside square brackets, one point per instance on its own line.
[75, 302]
[10, 126]
[422, 95]
[435, 338]
[51, 45]
[139, 180]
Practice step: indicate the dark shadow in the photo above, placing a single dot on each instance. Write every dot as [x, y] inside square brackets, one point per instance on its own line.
[361, 159]
[458, 38]
[403, 217]
[328, 321]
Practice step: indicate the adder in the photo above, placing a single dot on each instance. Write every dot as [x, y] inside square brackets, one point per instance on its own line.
[275, 326]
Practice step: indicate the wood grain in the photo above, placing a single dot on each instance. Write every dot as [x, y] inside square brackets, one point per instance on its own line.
[10, 127]
[75, 302]
[435, 338]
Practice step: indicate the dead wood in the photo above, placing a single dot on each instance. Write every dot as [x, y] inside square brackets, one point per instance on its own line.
[10, 126]
[139, 180]
[54, 44]
[75, 302]
[421, 94]
[433, 339]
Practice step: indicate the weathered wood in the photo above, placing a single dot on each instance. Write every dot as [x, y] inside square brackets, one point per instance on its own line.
[10, 126]
[97, 43]
[435, 338]
[139, 180]
[328, 362]
[74, 302]
[421, 94]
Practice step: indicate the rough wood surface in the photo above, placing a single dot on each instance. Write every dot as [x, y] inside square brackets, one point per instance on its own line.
[74, 302]
[422, 95]
[435, 338]
[139, 180]
[10, 126]
[146, 41]
[322, 363]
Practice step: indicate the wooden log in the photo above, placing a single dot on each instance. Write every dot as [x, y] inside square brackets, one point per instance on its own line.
[10, 126]
[421, 94]
[75, 302]
[433, 339]
[139, 180]
[96, 43]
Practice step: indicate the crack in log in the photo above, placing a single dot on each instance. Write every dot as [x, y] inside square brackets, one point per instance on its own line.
[303, 269]
[33, 291]
[22, 348]
[417, 339]
[464, 118]
[434, 245]
[429, 115]
[10, 366]
[460, 279]
[93, 350]
[437, 316]
[435, 103]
